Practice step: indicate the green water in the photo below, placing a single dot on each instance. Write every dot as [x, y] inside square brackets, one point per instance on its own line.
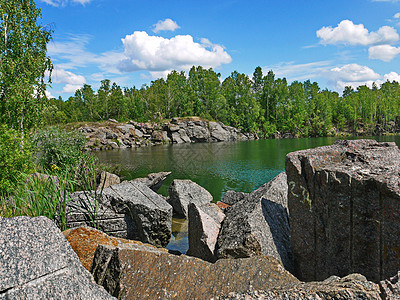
[218, 167]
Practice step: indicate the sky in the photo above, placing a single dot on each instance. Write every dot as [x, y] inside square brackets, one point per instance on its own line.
[132, 42]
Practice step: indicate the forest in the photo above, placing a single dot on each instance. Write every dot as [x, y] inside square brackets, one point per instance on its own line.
[262, 104]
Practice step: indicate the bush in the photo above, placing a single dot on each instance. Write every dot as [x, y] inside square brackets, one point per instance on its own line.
[15, 159]
[58, 150]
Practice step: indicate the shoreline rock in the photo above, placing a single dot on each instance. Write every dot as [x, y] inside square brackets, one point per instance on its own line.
[345, 209]
[111, 135]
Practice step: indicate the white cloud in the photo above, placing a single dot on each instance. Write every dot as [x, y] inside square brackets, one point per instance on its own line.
[392, 76]
[63, 76]
[383, 52]
[166, 25]
[348, 33]
[353, 75]
[396, 16]
[71, 88]
[154, 53]
[57, 3]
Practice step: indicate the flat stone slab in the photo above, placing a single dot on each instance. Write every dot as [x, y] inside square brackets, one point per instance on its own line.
[149, 273]
[344, 203]
[351, 287]
[37, 262]
[154, 180]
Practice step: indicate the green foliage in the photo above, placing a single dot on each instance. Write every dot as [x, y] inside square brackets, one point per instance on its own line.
[263, 104]
[15, 159]
[59, 150]
[23, 64]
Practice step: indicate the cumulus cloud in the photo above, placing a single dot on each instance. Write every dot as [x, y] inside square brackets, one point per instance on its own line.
[383, 52]
[392, 76]
[154, 53]
[353, 75]
[71, 88]
[63, 76]
[57, 3]
[397, 16]
[166, 25]
[348, 33]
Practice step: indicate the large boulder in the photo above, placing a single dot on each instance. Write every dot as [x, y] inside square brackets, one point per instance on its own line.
[351, 287]
[204, 225]
[258, 225]
[344, 203]
[131, 271]
[37, 262]
[128, 210]
[154, 180]
[90, 208]
[184, 192]
[150, 213]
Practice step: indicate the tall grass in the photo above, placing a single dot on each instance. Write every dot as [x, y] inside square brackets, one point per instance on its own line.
[58, 154]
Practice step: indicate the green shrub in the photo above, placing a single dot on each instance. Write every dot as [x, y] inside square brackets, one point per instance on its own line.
[15, 159]
[58, 150]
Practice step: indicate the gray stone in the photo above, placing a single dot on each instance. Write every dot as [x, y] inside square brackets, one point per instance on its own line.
[110, 135]
[131, 271]
[258, 225]
[37, 262]
[183, 136]
[154, 180]
[204, 225]
[90, 208]
[351, 287]
[150, 213]
[390, 288]
[126, 128]
[183, 192]
[113, 145]
[232, 197]
[138, 133]
[345, 209]
[218, 133]
[105, 179]
[174, 128]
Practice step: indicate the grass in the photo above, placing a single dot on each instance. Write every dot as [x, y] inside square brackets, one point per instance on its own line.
[48, 197]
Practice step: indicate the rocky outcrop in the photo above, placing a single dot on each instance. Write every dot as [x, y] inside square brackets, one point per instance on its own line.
[111, 135]
[131, 271]
[204, 225]
[129, 210]
[351, 287]
[258, 225]
[232, 197]
[37, 262]
[106, 179]
[344, 203]
[184, 192]
[154, 180]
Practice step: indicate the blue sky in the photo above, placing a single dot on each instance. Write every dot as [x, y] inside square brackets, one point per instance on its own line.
[131, 42]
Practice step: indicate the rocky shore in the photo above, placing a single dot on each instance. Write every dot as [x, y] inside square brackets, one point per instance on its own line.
[114, 135]
[327, 228]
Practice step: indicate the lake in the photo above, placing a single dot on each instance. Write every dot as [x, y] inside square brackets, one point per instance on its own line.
[218, 167]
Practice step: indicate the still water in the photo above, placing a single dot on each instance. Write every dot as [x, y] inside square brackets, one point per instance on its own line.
[218, 167]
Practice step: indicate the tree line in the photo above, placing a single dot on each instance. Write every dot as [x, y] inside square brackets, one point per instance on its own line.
[262, 103]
